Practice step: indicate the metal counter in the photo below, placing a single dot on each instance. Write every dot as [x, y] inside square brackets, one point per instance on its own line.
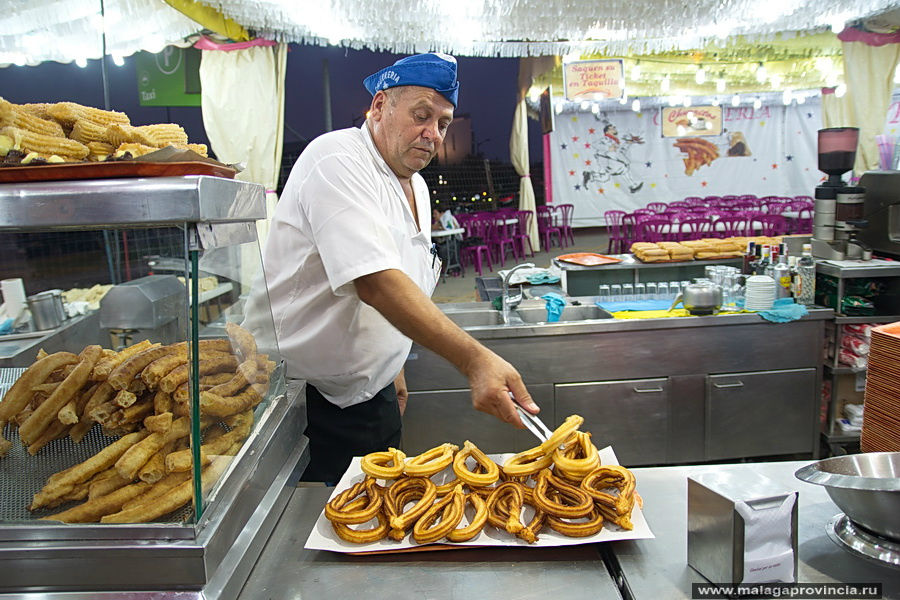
[658, 568]
[285, 570]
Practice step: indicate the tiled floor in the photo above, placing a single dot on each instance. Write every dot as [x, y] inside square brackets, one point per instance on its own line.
[462, 288]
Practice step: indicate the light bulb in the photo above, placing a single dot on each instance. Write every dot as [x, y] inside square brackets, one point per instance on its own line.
[720, 85]
[623, 99]
[757, 103]
[775, 80]
[686, 101]
[118, 60]
[558, 108]
[636, 71]
[534, 94]
[665, 84]
[837, 24]
[840, 90]
[585, 105]
[801, 98]
[715, 102]
[636, 105]
[761, 73]
[595, 108]
[700, 75]
[81, 62]
[787, 96]
[735, 100]
[674, 100]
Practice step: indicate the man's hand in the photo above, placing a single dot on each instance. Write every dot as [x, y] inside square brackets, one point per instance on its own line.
[491, 378]
[402, 392]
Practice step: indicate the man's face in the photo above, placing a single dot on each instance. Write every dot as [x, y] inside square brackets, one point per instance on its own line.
[408, 125]
[612, 130]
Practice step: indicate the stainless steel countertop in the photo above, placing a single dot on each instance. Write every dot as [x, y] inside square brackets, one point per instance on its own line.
[658, 568]
[286, 571]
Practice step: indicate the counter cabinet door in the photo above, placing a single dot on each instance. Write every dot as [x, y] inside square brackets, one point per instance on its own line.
[439, 416]
[631, 416]
[760, 413]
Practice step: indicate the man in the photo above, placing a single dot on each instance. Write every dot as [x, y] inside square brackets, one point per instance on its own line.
[350, 269]
[611, 157]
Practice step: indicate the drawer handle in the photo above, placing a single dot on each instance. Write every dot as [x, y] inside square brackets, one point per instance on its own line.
[729, 385]
[648, 391]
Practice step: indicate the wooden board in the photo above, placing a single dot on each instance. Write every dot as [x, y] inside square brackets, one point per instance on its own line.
[588, 259]
[110, 170]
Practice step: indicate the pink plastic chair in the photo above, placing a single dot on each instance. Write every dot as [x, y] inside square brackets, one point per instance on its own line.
[771, 225]
[659, 207]
[803, 223]
[629, 229]
[695, 201]
[547, 227]
[565, 213]
[502, 238]
[615, 231]
[731, 226]
[521, 231]
[479, 253]
[679, 204]
[653, 229]
[693, 228]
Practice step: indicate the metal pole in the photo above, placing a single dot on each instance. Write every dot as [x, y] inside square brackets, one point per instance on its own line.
[103, 57]
[326, 91]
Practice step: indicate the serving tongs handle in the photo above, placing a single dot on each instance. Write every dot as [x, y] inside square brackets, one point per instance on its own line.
[533, 423]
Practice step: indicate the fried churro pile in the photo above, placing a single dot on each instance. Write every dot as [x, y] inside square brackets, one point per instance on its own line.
[700, 152]
[139, 395]
[69, 132]
[561, 481]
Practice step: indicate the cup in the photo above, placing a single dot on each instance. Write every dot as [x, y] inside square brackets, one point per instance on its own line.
[640, 291]
[13, 297]
[47, 310]
[603, 292]
[652, 293]
[615, 292]
[627, 292]
[662, 290]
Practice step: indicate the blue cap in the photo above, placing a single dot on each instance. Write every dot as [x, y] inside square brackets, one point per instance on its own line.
[433, 70]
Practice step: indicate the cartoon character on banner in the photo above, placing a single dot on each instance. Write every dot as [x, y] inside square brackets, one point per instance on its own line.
[612, 160]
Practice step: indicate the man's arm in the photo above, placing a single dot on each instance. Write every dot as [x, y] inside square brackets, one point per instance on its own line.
[402, 391]
[393, 294]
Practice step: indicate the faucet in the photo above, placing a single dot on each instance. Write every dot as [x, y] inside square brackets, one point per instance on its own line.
[510, 302]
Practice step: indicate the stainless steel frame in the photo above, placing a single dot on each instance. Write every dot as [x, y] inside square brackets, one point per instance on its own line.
[212, 557]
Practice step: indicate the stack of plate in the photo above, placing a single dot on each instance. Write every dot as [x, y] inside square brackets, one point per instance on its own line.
[759, 293]
[881, 419]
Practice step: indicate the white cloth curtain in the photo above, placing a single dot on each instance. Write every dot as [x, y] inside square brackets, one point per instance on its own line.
[518, 152]
[869, 74]
[243, 112]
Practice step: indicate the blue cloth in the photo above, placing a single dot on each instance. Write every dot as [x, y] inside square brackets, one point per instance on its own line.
[555, 304]
[433, 70]
[635, 305]
[783, 311]
[542, 277]
[6, 325]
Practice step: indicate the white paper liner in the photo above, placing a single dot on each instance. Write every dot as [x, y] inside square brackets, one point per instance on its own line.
[323, 537]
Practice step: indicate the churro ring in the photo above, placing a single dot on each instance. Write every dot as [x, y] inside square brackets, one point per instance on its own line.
[568, 501]
[396, 498]
[441, 518]
[431, 461]
[561, 433]
[446, 488]
[528, 462]
[611, 476]
[577, 529]
[476, 523]
[361, 536]
[577, 457]
[491, 470]
[504, 507]
[337, 510]
[376, 464]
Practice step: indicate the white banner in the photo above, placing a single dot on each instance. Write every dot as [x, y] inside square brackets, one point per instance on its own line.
[618, 160]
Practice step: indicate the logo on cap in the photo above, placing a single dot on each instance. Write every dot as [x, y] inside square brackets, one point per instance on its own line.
[383, 80]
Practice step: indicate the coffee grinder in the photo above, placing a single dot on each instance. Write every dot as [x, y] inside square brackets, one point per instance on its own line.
[839, 209]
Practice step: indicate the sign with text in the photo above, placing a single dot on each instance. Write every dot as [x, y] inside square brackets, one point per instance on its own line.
[594, 79]
[169, 78]
[691, 121]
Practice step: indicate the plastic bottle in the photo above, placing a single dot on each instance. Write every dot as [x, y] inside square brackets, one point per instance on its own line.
[805, 282]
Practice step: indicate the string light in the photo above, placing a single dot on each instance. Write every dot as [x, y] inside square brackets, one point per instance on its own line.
[636, 71]
[636, 105]
[715, 102]
[118, 60]
[735, 100]
[81, 62]
[761, 73]
[720, 84]
[787, 96]
[775, 80]
[623, 99]
[700, 75]
[665, 84]
[595, 108]
[840, 90]
[757, 103]
[686, 101]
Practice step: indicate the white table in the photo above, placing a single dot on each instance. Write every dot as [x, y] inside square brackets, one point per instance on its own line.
[448, 240]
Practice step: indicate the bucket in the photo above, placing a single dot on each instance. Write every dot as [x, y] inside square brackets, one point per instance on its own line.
[47, 310]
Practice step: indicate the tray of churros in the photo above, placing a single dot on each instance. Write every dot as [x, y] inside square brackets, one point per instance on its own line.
[110, 170]
[450, 496]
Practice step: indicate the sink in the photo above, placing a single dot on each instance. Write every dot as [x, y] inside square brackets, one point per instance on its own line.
[475, 318]
[538, 314]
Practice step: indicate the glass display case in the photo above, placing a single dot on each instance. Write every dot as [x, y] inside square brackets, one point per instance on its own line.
[148, 437]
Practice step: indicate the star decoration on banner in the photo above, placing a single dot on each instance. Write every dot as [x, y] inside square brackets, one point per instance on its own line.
[704, 183]
[617, 185]
[762, 123]
[652, 185]
[774, 165]
[586, 145]
[789, 157]
[809, 115]
[574, 138]
[648, 164]
[574, 119]
[577, 187]
[576, 155]
[592, 130]
[571, 172]
[562, 146]
[764, 178]
[587, 163]
[601, 190]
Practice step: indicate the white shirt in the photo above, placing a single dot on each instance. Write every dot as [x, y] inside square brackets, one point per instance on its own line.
[343, 214]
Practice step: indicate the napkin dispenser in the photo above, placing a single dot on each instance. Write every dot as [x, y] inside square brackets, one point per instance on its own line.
[742, 529]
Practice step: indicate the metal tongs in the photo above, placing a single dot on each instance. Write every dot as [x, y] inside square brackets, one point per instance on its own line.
[534, 425]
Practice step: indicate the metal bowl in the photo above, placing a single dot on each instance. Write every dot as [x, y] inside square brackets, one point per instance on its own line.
[865, 486]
